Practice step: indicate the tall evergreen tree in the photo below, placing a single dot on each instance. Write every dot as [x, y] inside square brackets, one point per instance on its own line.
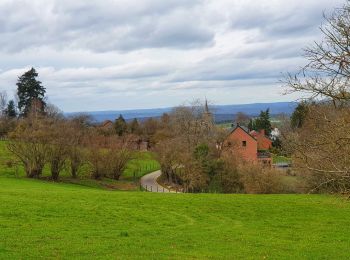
[120, 125]
[263, 122]
[30, 91]
[11, 109]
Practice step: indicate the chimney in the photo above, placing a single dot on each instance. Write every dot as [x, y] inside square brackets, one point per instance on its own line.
[262, 131]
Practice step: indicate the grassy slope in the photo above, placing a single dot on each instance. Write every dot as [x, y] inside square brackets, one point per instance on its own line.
[143, 163]
[41, 219]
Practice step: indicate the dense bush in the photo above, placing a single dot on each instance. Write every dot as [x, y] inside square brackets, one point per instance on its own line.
[261, 180]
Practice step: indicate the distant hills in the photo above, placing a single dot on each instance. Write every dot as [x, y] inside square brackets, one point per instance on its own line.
[221, 113]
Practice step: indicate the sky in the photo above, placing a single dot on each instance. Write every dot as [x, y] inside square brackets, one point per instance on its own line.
[127, 54]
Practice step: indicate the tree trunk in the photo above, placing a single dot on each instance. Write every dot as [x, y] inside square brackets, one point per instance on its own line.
[74, 170]
[116, 174]
[55, 172]
[33, 172]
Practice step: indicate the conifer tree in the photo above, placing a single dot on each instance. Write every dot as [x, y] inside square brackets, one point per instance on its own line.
[11, 109]
[30, 91]
[134, 126]
[120, 125]
[263, 122]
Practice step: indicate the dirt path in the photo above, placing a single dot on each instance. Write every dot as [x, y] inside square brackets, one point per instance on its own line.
[149, 182]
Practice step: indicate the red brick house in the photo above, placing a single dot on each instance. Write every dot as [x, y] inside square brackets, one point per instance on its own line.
[264, 143]
[243, 143]
[247, 145]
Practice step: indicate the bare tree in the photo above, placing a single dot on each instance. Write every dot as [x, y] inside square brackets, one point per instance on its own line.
[77, 133]
[327, 73]
[242, 119]
[187, 128]
[108, 156]
[321, 148]
[28, 142]
[3, 102]
[52, 111]
[118, 159]
[58, 146]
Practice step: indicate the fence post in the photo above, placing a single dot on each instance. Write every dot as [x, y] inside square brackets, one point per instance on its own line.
[151, 188]
[163, 189]
[157, 188]
[146, 188]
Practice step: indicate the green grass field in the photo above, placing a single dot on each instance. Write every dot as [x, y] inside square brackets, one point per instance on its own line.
[84, 220]
[57, 220]
[280, 159]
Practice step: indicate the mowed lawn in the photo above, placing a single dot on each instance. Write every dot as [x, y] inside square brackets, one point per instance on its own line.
[57, 220]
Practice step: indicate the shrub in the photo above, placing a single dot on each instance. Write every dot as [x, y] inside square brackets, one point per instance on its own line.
[261, 180]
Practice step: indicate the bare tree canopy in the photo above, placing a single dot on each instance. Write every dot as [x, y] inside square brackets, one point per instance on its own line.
[327, 73]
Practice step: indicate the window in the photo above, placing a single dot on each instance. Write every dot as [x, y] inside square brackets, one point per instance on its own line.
[244, 143]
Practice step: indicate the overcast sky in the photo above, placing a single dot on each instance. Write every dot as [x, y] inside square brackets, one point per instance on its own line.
[124, 54]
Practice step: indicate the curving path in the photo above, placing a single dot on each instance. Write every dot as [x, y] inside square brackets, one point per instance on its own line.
[149, 182]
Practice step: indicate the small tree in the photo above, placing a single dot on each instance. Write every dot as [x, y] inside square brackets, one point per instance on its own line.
[299, 115]
[77, 132]
[230, 177]
[28, 142]
[57, 149]
[150, 127]
[30, 93]
[242, 119]
[120, 125]
[11, 110]
[107, 156]
[134, 126]
[118, 159]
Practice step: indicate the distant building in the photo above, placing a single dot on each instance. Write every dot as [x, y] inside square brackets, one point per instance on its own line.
[264, 143]
[251, 146]
[275, 133]
[208, 119]
[106, 125]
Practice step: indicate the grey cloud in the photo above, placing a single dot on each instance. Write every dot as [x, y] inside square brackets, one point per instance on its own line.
[280, 19]
[102, 26]
[148, 53]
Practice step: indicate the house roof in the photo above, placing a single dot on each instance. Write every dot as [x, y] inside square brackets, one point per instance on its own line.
[107, 122]
[255, 134]
[243, 128]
